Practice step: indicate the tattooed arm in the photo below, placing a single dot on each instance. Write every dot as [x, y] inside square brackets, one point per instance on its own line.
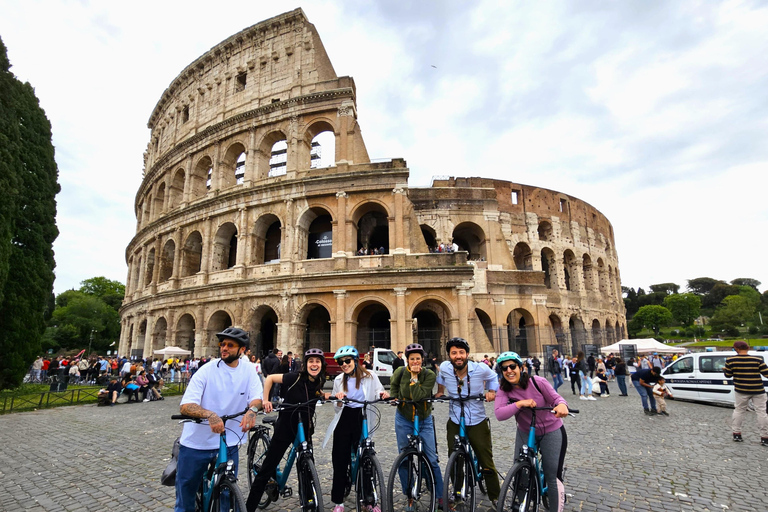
[196, 411]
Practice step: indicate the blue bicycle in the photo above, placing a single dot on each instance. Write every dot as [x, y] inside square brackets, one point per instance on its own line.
[218, 491]
[524, 487]
[310, 495]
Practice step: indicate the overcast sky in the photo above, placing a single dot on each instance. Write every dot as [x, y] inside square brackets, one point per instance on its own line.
[656, 113]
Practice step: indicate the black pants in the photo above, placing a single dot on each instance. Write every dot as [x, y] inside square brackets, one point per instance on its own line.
[575, 383]
[345, 436]
[281, 440]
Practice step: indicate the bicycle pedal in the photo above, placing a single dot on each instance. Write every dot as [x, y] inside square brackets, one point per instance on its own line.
[287, 492]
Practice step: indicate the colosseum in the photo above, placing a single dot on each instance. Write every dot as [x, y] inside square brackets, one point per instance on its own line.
[260, 208]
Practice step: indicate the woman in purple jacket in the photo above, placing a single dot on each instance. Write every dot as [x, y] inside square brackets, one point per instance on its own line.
[520, 391]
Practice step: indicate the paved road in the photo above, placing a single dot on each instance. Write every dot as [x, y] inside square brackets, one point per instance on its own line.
[88, 458]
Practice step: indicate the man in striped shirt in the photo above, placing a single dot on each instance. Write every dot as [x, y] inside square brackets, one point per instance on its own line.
[747, 384]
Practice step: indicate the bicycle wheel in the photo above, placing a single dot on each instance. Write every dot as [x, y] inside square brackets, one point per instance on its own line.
[227, 497]
[419, 483]
[370, 487]
[257, 450]
[459, 483]
[520, 490]
[310, 494]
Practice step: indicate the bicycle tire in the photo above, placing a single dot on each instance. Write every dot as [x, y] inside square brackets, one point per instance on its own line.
[459, 483]
[520, 490]
[228, 488]
[310, 494]
[258, 445]
[370, 488]
[420, 482]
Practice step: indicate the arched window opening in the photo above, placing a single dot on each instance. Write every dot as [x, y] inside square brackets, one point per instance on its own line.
[545, 231]
[430, 323]
[602, 278]
[610, 333]
[200, 179]
[136, 283]
[240, 169]
[185, 333]
[318, 329]
[219, 321]
[166, 261]
[146, 216]
[264, 324]
[597, 337]
[547, 263]
[232, 166]
[485, 322]
[320, 237]
[176, 190]
[429, 237]
[373, 328]
[192, 254]
[373, 233]
[520, 330]
[557, 330]
[578, 334]
[224, 247]
[159, 200]
[266, 240]
[272, 243]
[471, 238]
[278, 161]
[586, 269]
[323, 150]
[150, 268]
[141, 337]
[523, 257]
[159, 334]
[570, 269]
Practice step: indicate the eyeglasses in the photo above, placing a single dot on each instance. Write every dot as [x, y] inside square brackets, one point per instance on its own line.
[509, 367]
[346, 361]
[227, 344]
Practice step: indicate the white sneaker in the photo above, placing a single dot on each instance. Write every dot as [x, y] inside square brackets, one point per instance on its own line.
[582, 397]
[592, 398]
[146, 400]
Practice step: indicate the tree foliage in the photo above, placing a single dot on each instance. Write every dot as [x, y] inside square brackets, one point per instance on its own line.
[746, 281]
[734, 311]
[666, 288]
[29, 184]
[685, 307]
[702, 285]
[653, 317]
[718, 292]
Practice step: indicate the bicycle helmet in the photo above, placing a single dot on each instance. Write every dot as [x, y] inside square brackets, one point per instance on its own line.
[457, 342]
[414, 347]
[346, 350]
[235, 334]
[509, 356]
[314, 352]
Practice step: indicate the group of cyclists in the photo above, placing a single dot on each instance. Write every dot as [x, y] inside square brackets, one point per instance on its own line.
[227, 387]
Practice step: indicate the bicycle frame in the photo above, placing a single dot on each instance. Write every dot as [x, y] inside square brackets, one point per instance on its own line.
[300, 445]
[531, 452]
[462, 441]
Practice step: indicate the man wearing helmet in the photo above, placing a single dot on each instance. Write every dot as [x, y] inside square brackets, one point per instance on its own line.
[461, 378]
[222, 386]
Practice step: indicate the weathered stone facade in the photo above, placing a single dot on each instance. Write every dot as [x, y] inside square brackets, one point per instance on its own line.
[237, 225]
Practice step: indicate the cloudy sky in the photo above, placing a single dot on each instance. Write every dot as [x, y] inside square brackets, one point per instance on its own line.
[656, 113]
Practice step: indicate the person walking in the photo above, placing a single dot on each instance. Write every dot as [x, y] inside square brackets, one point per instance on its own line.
[586, 380]
[620, 371]
[553, 365]
[745, 370]
[574, 374]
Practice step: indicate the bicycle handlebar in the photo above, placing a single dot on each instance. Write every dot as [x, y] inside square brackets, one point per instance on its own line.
[224, 418]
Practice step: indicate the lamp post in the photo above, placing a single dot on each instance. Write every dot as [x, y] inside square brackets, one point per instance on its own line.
[90, 342]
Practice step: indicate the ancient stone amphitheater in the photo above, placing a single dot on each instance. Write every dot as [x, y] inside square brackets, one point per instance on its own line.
[260, 208]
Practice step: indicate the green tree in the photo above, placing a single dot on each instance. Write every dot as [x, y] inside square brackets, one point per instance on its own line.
[653, 317]
[734, 311]
[685, 307]
[111, 292]
[29, 181]
[702, 285]
[716, 295]
[746, 281]
[666, 288]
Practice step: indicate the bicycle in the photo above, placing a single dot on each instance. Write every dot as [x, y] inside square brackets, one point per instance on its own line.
[463, 472]
[364, 469]
[524, 487]
[419, 481]
[310, 495]
[218, 491]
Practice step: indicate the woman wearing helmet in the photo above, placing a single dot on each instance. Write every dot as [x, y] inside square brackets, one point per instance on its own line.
[516, 395]
[414, 382]
[298, 387]
[357, 383]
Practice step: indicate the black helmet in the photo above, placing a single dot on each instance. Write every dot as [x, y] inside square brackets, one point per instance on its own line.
[457, 342]
[235, 334]
[414, 347]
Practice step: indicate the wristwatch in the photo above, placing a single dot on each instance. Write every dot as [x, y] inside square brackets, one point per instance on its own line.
[254, 409]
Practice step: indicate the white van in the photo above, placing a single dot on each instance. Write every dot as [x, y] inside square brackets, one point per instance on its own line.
[699, 377]
[382, 359]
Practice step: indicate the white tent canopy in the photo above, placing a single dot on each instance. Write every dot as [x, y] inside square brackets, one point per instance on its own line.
[644, 346]
[173, 351]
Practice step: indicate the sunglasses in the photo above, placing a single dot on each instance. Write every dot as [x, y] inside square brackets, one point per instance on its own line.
[346, 361]
[509, 367]
[228, 344]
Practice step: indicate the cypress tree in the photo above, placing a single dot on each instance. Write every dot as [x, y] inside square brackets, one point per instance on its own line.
[28, 188]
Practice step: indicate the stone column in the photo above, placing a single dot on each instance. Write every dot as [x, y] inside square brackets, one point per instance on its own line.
[491, 225]
[216, 178]
[187, 181]
[148, 352]
[200, 328]
[242, 243]
[206, 256]
[156, 266]
[170, 332]
[401, 339]
[399, 234]
[340, 237]
[339, 337]
[464, 292]
[250, 158]
[288, 239]
[177, 257]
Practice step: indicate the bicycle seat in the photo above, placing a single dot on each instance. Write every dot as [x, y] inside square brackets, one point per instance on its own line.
[269, 420]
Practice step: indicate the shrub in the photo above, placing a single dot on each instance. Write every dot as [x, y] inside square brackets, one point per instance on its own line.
[753, 329]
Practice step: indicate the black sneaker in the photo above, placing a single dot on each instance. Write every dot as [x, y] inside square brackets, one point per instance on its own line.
[665, 413]
[647, 412]
[764, 441]
[654, 412]
[737, 438]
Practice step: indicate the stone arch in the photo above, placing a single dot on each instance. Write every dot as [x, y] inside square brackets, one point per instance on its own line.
[185, 333]
[176, 190]
[558, 336]
[200, 179]
[619, 331]
[267, 239]
[570, 270]
[610, 289]
[372, 318]
[323, 137]
[192, 254]
[523, 256]
[545, 231]
[602, 278]
[264, 328]
[431, 319]
[315, 238]
[146, 215]
[610, 332]
[578, 333]
[371, 221]
[150, 267]
[217, 322]
[159, 334]
[486, 323]
[587, 273]
[548, 262]
[521, 332]
[597, 333]
[166, 261]
[141, 337]
[430, 236]
[159, 200]
[273, 155]
[135, 277]
[315, 326]
[224, 250]
[233, 165]
[471, 238]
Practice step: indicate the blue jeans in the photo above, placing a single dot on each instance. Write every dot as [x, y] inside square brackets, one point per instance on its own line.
[403, 427]
[586, 384]
[191, 468]
[557, 380]
[622, 384]
[645, 395]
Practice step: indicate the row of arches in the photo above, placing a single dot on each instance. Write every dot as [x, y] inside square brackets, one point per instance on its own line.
[269, 159]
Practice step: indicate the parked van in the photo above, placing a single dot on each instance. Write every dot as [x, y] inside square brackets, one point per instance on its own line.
[381, 358]
[700, 377]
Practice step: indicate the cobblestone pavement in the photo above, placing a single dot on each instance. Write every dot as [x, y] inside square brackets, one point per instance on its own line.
[88, 458]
